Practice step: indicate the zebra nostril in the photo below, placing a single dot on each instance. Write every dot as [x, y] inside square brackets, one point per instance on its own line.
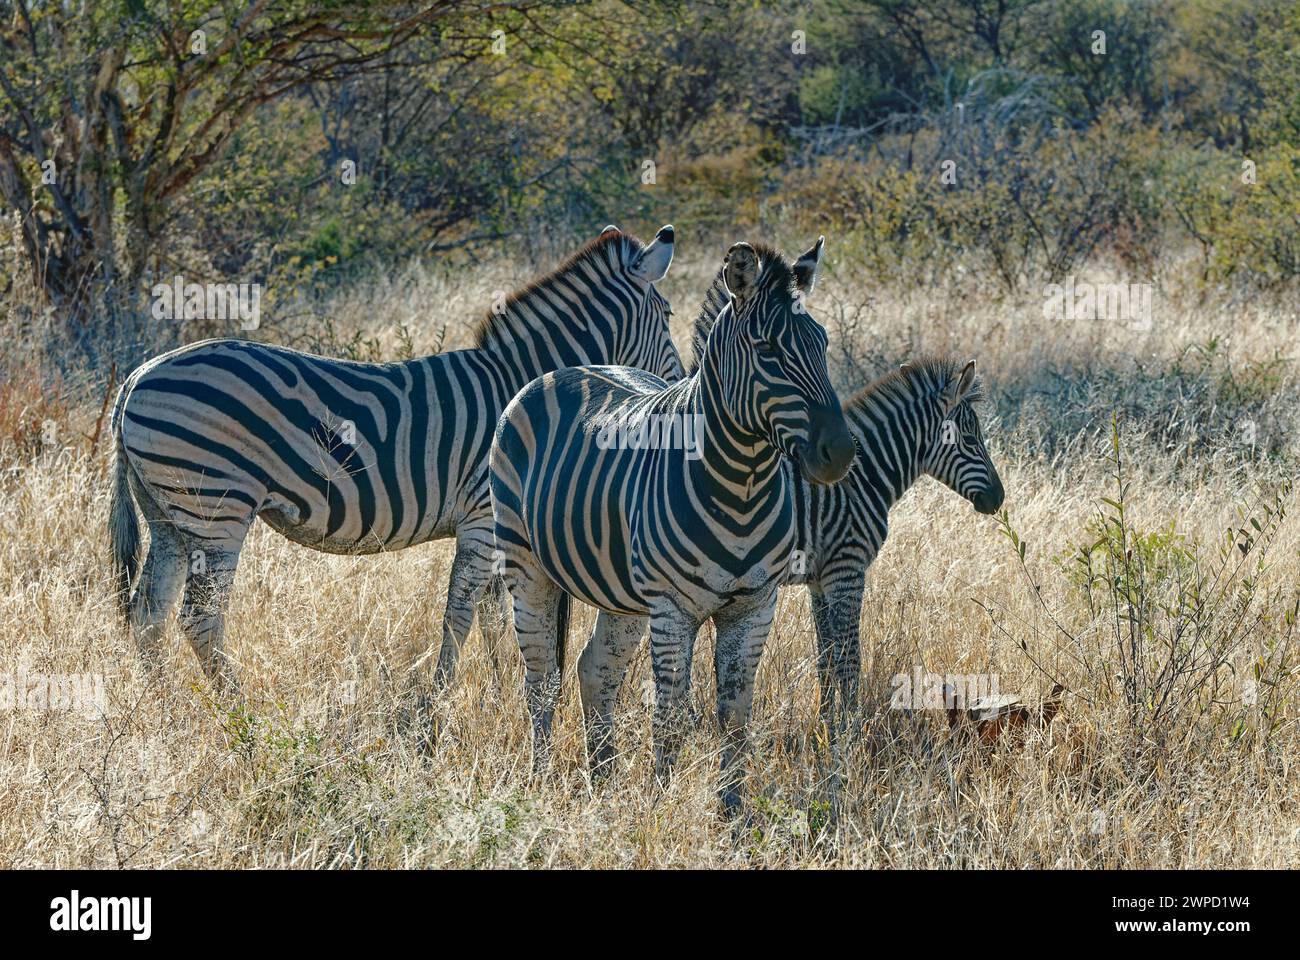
[987, 500]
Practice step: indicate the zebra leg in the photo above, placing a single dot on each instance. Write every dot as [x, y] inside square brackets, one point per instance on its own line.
[537, 618]
[838, 615]
[600, 673]
[825, 655]
[469, 574]
[156, 593]
[493, 621]
[742, 634]
[672, 643]
[208, 580]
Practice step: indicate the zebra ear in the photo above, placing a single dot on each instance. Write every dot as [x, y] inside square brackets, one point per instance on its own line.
[610, 229]
[805, 268]
[959, 386]
[652, 265]
[740, 271]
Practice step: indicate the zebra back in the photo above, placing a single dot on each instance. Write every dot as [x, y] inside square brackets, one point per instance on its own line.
[599, 306]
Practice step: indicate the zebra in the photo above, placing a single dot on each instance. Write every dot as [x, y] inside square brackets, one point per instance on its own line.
[662, 532]
[352, 458]
[916, 420]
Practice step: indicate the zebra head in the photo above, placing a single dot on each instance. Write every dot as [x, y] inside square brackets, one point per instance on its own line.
[647, 342]
[772, 356]
[957, 456]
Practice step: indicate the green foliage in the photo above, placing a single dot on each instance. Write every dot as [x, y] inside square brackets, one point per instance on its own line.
[1022, 207]
[1258, 232]
[228, 163]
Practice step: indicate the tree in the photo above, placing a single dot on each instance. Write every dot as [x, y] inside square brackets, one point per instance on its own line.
[109, 111]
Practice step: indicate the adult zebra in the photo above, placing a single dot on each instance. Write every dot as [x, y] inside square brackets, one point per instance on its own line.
[353, 458]
[917, 420]
[672, 531]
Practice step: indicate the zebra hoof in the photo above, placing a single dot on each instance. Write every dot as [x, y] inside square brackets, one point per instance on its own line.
[602, 766]
[417, 716]
[732, 804]
[541, 770]
[226, 687]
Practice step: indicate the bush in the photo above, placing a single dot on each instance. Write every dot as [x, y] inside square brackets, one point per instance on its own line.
[1025, 200]
[1186, 640]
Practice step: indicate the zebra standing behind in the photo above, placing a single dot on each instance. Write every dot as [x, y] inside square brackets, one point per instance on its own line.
[916, 420]
[352, 458]
[655, 532]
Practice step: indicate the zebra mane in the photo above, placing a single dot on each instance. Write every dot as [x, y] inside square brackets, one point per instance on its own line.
[921, 376]
[612, 248]
[776, 274]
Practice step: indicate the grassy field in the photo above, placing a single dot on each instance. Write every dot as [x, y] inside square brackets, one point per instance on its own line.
[1195, 767]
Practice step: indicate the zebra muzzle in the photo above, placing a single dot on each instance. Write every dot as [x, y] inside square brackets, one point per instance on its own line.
[828, 452]
[989, 500]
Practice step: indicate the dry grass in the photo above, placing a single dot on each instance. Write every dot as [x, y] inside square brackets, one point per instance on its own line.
[318, 771]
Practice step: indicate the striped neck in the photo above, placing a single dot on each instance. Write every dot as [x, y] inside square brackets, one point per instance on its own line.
[894, 422]
[735, 464]
[568, 317]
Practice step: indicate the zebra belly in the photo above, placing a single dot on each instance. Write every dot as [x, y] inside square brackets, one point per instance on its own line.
[616, 558]
[286, 523]
[592, 562]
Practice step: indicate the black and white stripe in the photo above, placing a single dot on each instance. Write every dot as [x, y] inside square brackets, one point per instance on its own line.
[353, 458]
[917, 420]
[656, 534]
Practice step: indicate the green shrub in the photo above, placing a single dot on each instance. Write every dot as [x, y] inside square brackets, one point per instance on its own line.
[1183, 638]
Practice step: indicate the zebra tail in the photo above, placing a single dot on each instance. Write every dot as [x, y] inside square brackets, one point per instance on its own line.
[123, 526]
[561, 629]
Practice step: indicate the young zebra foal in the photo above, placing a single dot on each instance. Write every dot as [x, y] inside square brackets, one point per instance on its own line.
[353, 458]
[676, 531]
[916, 420]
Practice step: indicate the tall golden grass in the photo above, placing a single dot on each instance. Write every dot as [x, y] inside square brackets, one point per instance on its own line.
[322, 768]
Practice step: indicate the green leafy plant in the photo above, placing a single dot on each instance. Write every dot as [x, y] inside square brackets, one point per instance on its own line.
[1180, 635]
